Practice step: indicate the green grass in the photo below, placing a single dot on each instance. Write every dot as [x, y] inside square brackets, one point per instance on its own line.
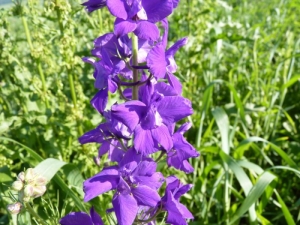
[240, 69]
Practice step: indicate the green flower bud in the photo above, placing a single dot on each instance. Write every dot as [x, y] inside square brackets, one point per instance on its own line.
[14, 208]
[17, 185]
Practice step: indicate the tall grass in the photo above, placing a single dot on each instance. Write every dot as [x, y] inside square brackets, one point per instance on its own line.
[240, 69]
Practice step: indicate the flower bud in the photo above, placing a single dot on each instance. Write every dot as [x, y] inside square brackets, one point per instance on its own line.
[96, 160]
[40, 181]
[14, 208]
[21, 176]
[38, 191]
[17, 185]
[26, 199]
[28, 191]
[30, 175]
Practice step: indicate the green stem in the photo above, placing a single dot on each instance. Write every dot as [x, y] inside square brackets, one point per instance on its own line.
[34, 214]
[135, 63]
[70, 76]
[39, 66]
[100, 21]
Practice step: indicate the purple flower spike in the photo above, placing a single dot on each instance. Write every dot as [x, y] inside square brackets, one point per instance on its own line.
[82, 218]
[93, 5]
[177, 212]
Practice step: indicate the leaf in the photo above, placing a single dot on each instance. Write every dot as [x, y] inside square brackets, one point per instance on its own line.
[286, 212]
[5, 175]
[257, 190]
[74, 177]
[49, 167]
[56, 178]
[223, 124]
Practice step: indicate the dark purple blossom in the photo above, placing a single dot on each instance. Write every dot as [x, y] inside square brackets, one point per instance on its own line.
[136, 184]
[140, 16]
[82, 218]
[177, 212]
[93, 5]
[149, 118]
[108, 135]
[182, 150]
[161, 62]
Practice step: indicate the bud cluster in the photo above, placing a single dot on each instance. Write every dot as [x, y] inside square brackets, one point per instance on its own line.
[29, 185]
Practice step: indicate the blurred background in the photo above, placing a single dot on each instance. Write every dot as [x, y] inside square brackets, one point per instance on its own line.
[240, 69]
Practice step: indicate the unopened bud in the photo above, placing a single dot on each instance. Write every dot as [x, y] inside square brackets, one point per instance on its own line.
[28, 191]
[97, 160]
[17, 185]
[14, 208]
[38, 191]
[26, 199]
[40, 181]
[30, 175]
[21, 176]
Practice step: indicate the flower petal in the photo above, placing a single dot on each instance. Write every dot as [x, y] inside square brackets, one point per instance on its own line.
[128, 113]
[95, 217]
[76, 218]
[157, 9]
[126, 208]
[175, 83]
[102, 182]
[174, 108]
[156, 61]
[145, 195]
[99, 101]
[143, 141]
[118, 8]
[123, 27]
[162, 136]
[147, 30]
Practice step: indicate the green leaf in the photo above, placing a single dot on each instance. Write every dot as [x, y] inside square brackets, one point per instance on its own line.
[286, 212]
[257, 190]
[223, 124]
[49, 167]
[5, 175]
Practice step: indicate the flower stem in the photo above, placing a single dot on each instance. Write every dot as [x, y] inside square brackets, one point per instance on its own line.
[135, 63]
[39, 65]
[34, 214]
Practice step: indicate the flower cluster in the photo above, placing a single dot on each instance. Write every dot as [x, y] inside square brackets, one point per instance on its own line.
[135, 62]
[29, 185]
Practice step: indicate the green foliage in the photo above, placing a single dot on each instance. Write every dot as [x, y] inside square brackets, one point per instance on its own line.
[240, 69]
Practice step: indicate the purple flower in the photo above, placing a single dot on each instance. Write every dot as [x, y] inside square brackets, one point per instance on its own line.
[177, 212]
[82, 218]
[182, 150]
[149, 118]
[93, 5]
[108, 135]
[135, 182]
[140, 16]
[161, 63]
